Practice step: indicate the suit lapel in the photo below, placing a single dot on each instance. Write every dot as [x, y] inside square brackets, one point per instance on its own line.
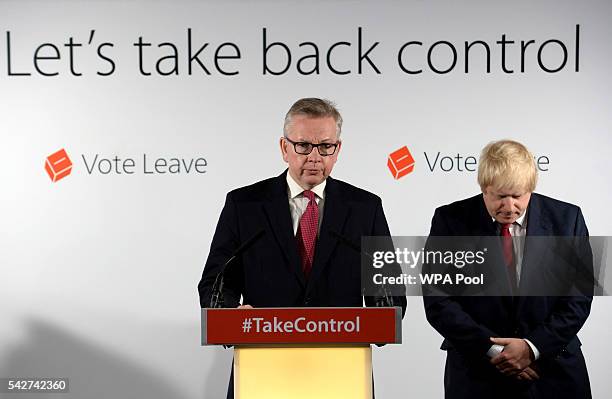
[334, 217]
[537, 225]
[486, 225]
[279, 217]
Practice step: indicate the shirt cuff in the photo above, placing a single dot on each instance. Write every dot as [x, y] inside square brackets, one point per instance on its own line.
[534, 350]
[495, 350]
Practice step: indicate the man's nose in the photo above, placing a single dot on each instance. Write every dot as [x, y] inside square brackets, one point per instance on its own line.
[507, 203]
[314, 155]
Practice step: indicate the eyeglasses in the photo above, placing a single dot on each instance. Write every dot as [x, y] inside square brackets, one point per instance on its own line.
[303, 148]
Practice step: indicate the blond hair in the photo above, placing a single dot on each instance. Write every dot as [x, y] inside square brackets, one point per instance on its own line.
[507, 165]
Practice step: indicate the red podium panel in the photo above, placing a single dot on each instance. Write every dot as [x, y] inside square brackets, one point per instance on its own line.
[301, 326]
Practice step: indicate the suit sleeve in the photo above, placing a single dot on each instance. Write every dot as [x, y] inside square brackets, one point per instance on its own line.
[225, 241]
[569, 313]
[447, 316]
[381, 228]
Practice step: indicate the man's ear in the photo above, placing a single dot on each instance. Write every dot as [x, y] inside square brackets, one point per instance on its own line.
[283, 148]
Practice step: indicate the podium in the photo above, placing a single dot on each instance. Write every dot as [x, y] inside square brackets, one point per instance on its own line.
[302, 352]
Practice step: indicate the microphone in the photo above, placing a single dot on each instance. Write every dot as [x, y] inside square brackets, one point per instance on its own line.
[385, 300]
[216, 298]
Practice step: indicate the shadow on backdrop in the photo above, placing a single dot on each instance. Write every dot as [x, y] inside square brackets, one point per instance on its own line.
[95, 372]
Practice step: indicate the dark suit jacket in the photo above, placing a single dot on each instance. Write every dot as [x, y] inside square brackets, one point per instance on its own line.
[269, 274]
[550, 323]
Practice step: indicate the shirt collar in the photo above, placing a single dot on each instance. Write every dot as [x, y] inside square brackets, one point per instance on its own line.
[522, 221]
[295, 189]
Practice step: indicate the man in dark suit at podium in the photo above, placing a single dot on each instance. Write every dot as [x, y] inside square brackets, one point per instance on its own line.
[303, 227]
[521, 346]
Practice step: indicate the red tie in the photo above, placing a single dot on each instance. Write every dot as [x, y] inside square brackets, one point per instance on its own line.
[307, 232]
[509, 252]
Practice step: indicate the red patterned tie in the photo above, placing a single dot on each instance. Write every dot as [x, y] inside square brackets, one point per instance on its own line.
[307, 232]
[509, 252]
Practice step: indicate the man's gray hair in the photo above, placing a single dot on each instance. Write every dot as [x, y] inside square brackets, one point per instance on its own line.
[314, 108]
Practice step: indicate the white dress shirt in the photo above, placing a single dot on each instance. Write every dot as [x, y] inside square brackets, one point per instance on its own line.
[298, 203]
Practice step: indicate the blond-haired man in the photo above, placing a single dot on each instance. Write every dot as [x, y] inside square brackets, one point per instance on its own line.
[521, 346]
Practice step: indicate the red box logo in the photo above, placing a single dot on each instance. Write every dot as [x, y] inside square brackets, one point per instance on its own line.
[58, 165]
[400, 162]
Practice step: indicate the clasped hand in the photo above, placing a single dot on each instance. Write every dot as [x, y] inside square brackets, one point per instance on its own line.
[515, 360]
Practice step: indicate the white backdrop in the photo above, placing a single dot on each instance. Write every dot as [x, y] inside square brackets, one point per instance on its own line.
[99, 271]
